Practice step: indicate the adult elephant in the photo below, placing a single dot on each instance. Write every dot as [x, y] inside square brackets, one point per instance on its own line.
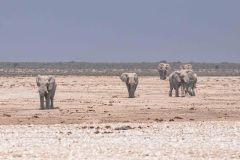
[178, 79]
[46, 88]
[186, 66]
[131, 81]
[191, 85]
[163, 70]
[189, 88]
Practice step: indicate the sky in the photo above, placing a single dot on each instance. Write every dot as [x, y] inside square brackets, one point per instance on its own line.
[120, 30]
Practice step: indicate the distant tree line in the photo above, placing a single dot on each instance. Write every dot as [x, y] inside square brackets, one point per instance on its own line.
[111, 69]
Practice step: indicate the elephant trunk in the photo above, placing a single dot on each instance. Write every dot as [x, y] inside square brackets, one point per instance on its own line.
[132, 88]
[163, 74]
[43, 90]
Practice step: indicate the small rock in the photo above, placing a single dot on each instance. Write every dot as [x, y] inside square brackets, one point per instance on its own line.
[35, 116]
[123, 128]
[178, 117]
[17, 155]
[107, 132]
[6, 115]
[108, 127]
[158, 120]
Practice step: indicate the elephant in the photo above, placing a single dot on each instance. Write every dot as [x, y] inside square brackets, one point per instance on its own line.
[178, 79]
[191, 85]
[46, 88]
[163, 69]
[186, 66]
[131, 80]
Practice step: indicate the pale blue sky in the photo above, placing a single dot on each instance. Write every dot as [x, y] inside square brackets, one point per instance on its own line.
[120, 30]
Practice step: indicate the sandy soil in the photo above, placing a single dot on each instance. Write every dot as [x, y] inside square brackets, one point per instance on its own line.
[104, 100]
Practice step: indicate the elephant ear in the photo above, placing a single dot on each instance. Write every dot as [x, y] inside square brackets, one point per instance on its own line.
[167, 66]
[136, 78]
[51, 82]
[160, 66]
[124, 77]
[37, 80]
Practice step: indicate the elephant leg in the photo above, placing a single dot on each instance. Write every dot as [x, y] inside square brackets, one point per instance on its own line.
[133, 90]
[186, 91]
[177, 92]
[195, 84]
[189, 91]
[47, 101]
[170, 92]
[129, 90]
[193, 89]
[193, 92]
[41, 102]
[183, 89]
[51, 103]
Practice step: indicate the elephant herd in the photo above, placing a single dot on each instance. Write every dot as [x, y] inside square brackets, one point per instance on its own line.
[185, 78]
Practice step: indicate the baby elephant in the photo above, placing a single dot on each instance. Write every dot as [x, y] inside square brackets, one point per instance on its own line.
[131, 80]
[46, 88]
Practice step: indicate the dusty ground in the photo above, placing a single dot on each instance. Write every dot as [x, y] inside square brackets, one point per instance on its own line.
[104, 100]
[94, 119]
